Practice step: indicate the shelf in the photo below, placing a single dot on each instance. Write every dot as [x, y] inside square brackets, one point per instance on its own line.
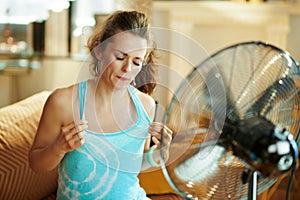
[17, 65]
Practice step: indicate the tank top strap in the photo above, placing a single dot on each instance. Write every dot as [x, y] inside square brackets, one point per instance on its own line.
[138, 104]
[82, 88]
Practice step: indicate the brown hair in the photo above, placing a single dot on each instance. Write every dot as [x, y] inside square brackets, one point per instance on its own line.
[137, 23]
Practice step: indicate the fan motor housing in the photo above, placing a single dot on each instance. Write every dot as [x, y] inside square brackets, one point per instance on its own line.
[262, 145]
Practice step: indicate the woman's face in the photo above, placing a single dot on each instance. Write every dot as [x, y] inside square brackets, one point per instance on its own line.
[122, 59]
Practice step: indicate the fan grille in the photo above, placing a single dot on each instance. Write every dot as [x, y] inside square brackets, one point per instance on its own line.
[257, 79]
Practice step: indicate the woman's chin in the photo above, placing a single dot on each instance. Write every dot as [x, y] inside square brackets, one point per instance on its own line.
[121, 85]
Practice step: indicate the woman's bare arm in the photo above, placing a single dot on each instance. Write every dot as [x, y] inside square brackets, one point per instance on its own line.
[156, 131]
[57, 132]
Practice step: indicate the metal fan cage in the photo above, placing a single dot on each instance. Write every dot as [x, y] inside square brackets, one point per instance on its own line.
[246, 79]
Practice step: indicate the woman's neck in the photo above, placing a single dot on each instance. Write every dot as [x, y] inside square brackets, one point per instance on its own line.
[107, 95]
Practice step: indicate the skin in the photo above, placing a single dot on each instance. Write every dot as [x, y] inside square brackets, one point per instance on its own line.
[60, 130]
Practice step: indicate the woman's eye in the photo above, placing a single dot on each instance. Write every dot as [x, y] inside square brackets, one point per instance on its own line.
[119, 58]
[137, 63]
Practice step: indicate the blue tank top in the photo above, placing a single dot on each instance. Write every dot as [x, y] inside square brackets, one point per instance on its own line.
[106, 166]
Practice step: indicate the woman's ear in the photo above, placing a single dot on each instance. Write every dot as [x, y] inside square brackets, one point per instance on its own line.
[97, 53]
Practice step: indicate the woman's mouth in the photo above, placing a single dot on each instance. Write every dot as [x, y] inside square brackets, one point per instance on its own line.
[122, 78]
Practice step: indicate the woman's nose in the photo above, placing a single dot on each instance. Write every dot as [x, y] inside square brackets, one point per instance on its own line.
[127, 66]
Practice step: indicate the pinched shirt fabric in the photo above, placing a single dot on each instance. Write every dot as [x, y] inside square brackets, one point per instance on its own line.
[106, 166]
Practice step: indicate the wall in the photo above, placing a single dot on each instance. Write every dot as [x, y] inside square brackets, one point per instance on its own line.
[54, 73]
[212, 24]
[293, 41]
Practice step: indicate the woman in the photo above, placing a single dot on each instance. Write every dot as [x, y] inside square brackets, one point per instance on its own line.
[96, 131]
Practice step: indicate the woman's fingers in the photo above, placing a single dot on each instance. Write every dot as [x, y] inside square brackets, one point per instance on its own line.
[156, 141]
[168, 135]
[161, 135]
[74, 128]
[157, 131]
[81, 134]
[73, 134]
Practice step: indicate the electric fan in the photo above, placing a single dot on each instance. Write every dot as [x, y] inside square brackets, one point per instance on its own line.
[234, 119]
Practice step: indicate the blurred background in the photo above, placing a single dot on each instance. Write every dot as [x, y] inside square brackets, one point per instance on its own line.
[42, 42]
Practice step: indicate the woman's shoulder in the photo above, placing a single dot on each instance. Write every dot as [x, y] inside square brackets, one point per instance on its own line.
[61, 99]
[145, 98]
[148, 102]
[61, 95]
[58, 107]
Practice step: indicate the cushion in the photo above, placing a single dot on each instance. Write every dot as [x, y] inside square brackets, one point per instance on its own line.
[18, 124]
[154, 182]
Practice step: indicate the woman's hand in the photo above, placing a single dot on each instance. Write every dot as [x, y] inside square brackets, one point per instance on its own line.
[157, 131]
[161, 135]
[70, 137]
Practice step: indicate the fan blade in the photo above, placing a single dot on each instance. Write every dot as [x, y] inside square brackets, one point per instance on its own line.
[219, 135]
[278, 91]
